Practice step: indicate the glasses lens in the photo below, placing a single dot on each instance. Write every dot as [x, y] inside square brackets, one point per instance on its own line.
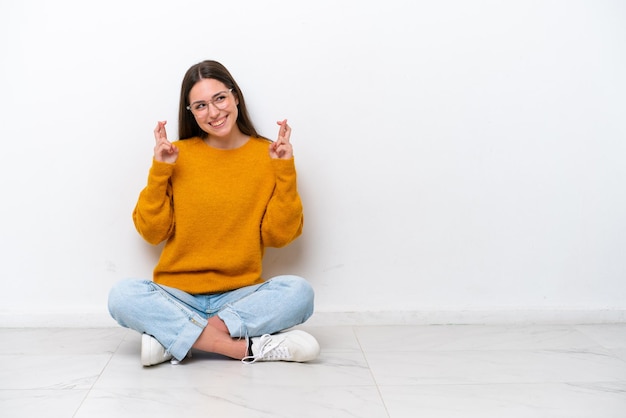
[198, 107]
[221, 102]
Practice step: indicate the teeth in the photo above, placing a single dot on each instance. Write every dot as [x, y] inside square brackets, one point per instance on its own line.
[218, 123]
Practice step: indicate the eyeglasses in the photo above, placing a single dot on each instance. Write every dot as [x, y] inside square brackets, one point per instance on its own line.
[220, 100]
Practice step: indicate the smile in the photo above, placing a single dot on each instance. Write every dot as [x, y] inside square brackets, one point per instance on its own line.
[218, 123]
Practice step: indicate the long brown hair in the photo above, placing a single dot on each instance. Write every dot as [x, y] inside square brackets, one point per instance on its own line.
[187, 126]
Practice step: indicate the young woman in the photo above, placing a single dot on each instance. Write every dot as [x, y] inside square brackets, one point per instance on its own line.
[217, 197]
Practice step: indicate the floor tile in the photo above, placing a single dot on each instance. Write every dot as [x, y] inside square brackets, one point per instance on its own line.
[256, 399]
[60, 341]
[472, 337]
[40, 403]
[491, 366]
[619, 353]
[568, 371]
[51, 371]
[608, 335]
[339, 338]
[546, 400]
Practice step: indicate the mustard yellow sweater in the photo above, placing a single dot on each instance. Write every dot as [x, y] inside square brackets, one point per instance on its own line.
[218, 209]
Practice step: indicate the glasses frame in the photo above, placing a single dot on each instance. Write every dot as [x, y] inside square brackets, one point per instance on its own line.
[210, 102]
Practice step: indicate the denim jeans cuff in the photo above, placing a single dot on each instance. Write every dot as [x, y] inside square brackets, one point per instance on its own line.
[233, 322]
[187, 337]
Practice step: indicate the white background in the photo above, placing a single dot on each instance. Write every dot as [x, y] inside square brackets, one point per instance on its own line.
[453, 156]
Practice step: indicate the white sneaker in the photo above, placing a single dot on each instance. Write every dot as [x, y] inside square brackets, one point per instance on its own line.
[293, 345]
[152, 352]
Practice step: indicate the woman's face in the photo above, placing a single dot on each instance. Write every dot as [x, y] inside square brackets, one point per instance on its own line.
[214, 107]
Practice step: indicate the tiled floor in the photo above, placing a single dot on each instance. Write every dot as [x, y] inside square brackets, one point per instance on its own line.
[367, 371]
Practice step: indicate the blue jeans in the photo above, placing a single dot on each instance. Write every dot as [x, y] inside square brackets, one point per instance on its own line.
[176, 318]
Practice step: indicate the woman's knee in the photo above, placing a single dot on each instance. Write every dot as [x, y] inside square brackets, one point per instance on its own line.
[296, 285]
[298, 289]
[122, 297]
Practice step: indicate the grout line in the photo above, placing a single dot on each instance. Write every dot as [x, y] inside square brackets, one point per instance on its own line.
[380, 394]
[100, 374]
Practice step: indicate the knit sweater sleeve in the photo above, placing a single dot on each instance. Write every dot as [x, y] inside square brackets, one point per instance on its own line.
[154, 213]
[283, 219]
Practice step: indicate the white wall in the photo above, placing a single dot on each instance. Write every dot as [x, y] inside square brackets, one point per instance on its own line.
[458, 160]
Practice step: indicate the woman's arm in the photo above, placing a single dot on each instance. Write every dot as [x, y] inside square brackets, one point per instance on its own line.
[283, 218]
[154, 212]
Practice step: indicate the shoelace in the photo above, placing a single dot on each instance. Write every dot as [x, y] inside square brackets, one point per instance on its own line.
[269, 350]
[276, 353]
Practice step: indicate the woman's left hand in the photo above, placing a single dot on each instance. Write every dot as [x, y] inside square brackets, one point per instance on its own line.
[281, 148]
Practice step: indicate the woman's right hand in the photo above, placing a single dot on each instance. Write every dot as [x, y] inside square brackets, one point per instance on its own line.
[164, 151]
